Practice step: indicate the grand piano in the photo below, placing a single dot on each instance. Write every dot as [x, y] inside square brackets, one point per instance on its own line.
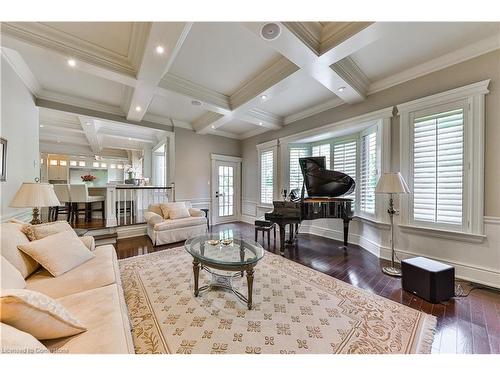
[325, 189]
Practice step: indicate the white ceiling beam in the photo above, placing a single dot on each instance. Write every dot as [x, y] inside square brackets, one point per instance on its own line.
[296, 49]
[91, 132]
[170, 36]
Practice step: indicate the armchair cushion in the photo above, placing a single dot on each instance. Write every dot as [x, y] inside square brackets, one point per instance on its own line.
[180, 223]
[152, 218]
[178, 213]
[155, 208]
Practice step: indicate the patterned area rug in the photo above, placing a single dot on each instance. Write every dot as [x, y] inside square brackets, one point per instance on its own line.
[296, 310]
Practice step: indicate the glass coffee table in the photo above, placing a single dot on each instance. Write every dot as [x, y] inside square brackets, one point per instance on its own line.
[236, 256]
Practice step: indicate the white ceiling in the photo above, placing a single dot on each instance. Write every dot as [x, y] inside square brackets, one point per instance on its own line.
[412, 43]
[221, 56]
[225, 66]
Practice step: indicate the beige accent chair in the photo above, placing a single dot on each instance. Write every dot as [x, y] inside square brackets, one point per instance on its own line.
[164, 231]
[91, 292]
[80, 194]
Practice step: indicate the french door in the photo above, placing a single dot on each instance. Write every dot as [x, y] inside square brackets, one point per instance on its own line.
[226, 181]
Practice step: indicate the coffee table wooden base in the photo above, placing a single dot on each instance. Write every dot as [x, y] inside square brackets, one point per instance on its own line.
[224, 281]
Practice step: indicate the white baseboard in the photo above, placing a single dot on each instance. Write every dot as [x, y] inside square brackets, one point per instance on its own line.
[483, 275]
[247, 219]
[131, 231]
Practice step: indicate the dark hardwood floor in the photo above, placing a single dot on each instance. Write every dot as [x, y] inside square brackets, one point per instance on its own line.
[465, 325]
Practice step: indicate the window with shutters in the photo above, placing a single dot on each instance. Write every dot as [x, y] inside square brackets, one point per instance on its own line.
[442, 160]
[345, 161]
[266, 176]
[438, 167]
[296, 179]
[368, 174]
[322, 150]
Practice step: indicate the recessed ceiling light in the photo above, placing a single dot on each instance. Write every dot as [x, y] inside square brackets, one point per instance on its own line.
[129, 138]
[159, 50]
[72, 63]
[138, 108]
[263, 97]
[87, 123]
[41, 125]
[196, 102]
[260, 123]
[213, 126]
[58, 141]
[341, 89]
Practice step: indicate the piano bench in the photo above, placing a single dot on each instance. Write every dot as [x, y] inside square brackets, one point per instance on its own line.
[265, 226]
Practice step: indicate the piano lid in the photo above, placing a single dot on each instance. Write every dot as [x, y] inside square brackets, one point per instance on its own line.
[322, 182]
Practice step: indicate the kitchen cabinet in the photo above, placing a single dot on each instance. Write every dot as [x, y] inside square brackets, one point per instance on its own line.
[58, 172]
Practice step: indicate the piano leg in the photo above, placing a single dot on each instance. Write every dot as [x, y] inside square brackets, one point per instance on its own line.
[346, 232]
[282, 239]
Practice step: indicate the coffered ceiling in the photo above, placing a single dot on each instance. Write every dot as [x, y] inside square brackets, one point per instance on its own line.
[225, 78]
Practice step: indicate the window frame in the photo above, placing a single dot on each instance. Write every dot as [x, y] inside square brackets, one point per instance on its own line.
[261, 148]
[305, 146]
[373, 129]
[471, 97]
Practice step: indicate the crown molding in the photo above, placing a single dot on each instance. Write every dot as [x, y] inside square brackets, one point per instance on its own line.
[273, 74]
[17, 63]
[350, 72]
[45, 36]
[463, 54]
[314, 110]
[268, 144]
[209, 121]
[262, 118]
[79, 102]
[179, 85]
[221, 133]
[309, 33]
[334, 33]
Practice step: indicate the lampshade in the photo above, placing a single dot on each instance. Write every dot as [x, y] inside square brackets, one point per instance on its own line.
[393, 183]
[35, 194]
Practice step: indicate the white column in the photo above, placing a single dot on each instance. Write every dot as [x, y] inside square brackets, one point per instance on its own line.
[110, 206]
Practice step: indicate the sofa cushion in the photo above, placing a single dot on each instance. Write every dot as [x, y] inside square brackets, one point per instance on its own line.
[101, 311]
[166, 207]
[39, 231]
[99, 271]
[37, 314]
[195, 212]
[11, 278]
[11, 237]
[58, 253]
[15, 341]
[180, 223]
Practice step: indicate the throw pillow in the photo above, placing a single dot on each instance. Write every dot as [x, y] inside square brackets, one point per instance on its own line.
[166, 207]
[59, 252]
[155, 208]
[15, 341]
[39, 231]
[11, 278]
[11, 237]
[37, 314]
[178, 213]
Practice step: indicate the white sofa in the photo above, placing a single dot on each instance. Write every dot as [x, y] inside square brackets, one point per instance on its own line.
[92, 292]
[162, 228]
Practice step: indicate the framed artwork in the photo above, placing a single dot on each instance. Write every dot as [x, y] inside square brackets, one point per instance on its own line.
[3, 159]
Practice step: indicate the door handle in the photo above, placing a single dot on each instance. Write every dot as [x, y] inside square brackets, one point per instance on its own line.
[217, 195]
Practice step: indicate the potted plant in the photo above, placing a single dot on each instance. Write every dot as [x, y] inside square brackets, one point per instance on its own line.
[88, 179]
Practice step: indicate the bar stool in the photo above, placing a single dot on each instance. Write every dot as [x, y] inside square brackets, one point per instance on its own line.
[62, 193]
[265, 226]
[79, 193]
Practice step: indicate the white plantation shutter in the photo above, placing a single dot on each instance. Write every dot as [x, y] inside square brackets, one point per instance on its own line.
[296, 179]
[368, 172]
[344, 160]
[322, 150]
[438, 154]
[266, 176]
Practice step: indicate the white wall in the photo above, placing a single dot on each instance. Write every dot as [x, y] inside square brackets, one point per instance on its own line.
[19, 125]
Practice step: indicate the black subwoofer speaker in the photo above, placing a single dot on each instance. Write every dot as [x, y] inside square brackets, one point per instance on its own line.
[431, 280]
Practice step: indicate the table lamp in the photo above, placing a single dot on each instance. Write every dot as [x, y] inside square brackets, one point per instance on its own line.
[392, 183]
[35, 195]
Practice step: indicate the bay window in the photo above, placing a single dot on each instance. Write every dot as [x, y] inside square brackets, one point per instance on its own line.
[295, 178]
[322, 150]
[368, 174]
[267, 174]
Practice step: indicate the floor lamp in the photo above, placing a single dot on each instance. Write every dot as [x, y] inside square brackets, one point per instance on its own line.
[392, 183]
